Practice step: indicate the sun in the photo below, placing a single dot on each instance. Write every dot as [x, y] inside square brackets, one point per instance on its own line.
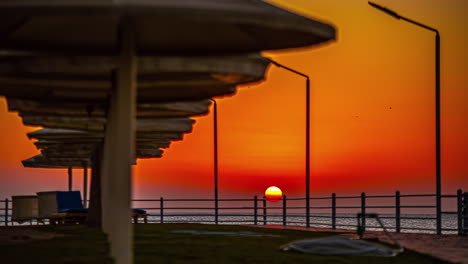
[273, 194]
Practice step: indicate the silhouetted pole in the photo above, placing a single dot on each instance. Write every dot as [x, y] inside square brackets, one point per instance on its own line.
[437, 110]
[94, 218]
[307, 137]
[215, 153]
[85, 183]
[70, 178]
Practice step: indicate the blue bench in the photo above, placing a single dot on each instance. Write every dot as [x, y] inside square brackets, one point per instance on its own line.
[70, 209]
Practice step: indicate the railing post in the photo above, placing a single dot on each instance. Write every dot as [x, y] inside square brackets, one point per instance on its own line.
[161, 208]
[397, 212]
[255, 210]
[363, 210]
[465, 213]
[438, 211]
[6, 211]
[460, 212]
[264, 211]
[307, 211]
[216, 210]
[333, 213]
[284, 210]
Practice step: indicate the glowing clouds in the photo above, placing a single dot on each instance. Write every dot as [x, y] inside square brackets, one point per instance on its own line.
[273, 194]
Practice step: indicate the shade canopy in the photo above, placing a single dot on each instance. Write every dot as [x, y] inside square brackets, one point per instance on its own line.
[173, 124]
[40, 161]
[62, 147]
[77, 136]
[89, 79]
[76, 109]
[152, 133]
[67, 145]
[163, 26]
[83, 154]
[58, 145]
[57, 161]
[75, 152]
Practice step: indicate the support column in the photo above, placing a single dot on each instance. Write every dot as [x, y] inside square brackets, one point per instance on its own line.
[119, 153]
[106, 160]
[70, 178]
[85, 184]
[95, 205]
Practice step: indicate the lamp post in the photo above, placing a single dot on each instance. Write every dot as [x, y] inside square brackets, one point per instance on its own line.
[307, 137]
[437, 108]
[215, 153]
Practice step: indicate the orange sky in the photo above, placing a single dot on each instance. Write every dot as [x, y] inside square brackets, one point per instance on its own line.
[372, 116]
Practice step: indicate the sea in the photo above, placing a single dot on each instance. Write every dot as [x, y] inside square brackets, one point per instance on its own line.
[413, 223]
[410, 223]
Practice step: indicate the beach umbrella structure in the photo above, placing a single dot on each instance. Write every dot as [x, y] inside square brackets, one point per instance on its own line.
[56, 146]
[207, 74]
[41, 161]
[116, 55]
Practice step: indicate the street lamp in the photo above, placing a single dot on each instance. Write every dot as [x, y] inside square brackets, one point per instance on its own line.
[437, 108]
[307, 136]
[215, 153]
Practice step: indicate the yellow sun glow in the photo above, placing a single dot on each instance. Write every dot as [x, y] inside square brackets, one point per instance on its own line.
[273, 194]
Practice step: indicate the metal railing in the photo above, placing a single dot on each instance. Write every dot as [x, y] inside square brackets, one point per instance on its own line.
[5, 209]
[334, 211]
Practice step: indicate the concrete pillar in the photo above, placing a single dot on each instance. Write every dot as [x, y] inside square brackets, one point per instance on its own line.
[119, 150]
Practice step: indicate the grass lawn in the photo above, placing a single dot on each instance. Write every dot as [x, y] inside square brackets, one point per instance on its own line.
[155, 243]
[74, 244]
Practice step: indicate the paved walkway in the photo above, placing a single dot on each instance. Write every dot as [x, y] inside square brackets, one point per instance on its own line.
[447, 247]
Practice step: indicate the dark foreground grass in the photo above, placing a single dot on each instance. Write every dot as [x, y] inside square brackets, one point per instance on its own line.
[74, 244]
[154, 243]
